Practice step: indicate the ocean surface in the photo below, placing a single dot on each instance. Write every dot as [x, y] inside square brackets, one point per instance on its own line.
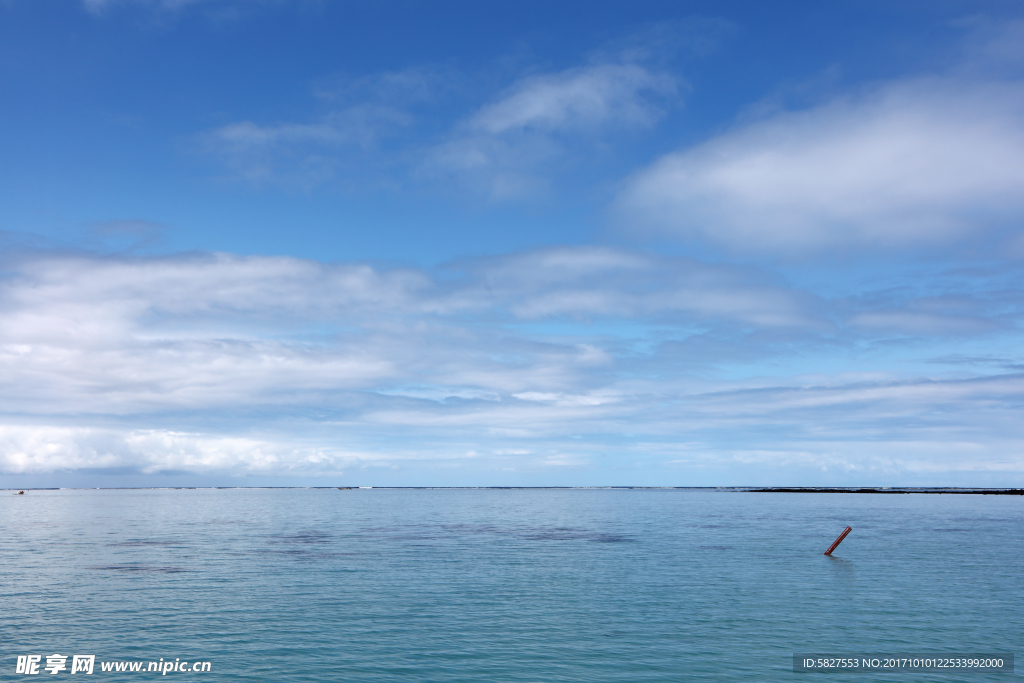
[626, 585]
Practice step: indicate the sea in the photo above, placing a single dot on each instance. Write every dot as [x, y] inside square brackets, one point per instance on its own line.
[467, 585]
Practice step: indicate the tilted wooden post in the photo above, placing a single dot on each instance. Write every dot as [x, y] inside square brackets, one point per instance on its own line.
[838, 540]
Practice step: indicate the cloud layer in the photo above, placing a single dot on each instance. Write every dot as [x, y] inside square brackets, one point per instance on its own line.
[114, 335]
[925, 162]
[543, 361]
[503, 149]
[544, 120]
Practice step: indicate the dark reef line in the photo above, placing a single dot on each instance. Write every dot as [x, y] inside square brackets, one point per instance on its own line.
[810, 489]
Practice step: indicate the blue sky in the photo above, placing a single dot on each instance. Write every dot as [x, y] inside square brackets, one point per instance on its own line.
[462, 243]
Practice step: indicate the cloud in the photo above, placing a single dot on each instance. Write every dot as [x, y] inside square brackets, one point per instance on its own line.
[877, 433]
[305, 154]
[917, 163]
[993, 46]
[922, 323]
[587, 282]
[229, 8]
[126, 235]
[502, 149]
[48, 448]
[387, 126]
[349, 141]
[99, 6]
[581, 98]
[141, 334]
[222, 363]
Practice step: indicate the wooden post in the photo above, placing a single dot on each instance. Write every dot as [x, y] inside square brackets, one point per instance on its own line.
[838, 540]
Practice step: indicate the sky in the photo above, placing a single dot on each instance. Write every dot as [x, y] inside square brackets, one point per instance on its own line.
[454, 243]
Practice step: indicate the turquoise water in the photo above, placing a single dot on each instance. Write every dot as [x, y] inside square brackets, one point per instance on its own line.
[505, 585]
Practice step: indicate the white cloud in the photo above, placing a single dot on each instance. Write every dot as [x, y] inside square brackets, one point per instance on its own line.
[506, 149]
[879, 433]
[94, 334]
[82, 333]
[229, 8]
[583, 282]
[100, 6]
[386, 125]
[48, 448]
[307, 154]
[924, 162]
[605, 94]
[221, 363]
[348, 141]
[922, 323]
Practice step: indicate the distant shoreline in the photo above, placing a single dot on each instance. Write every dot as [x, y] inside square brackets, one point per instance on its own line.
[894, 489]
[737, 489]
